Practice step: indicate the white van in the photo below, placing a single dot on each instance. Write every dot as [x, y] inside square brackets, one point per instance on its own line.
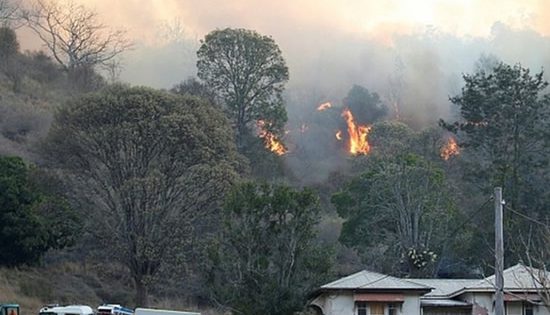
[67, 310]
[150, 311]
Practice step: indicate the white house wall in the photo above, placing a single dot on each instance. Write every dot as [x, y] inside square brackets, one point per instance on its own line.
[483, 305]
[343, 304]
[411, 305]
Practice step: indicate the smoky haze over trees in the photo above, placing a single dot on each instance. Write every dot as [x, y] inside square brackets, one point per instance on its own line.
[155, 176]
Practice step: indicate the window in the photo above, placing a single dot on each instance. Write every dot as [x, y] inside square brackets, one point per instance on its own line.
[393, 310]
[361, 308]
[376, 308]
[528, 309]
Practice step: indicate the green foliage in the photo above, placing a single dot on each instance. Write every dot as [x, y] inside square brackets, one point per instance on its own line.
[504, 122]
[504, 131]
[265, 260]
[31, 220]
[247, 71]
[366, 107]
[194, 87]
[146, 166]
[9, 46]
[9, 60]
[396, 206]
[391, 138]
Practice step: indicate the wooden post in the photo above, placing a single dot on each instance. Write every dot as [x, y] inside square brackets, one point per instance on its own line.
[499, 254]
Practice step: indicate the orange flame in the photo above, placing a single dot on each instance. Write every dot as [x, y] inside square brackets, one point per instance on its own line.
[339, 134]
[324, 106]
[449, 149]
[271, 142]
[358, 143]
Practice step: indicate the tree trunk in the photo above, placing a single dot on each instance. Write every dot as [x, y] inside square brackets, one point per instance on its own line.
[142, 296]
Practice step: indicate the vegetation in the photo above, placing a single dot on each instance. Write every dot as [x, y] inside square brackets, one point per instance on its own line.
[75, 38]
[247, 72]
[32, 220]
[135, 188]
[145, 166]
[265, 259]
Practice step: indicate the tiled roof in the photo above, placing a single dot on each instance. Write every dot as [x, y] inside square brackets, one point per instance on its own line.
[444, 287]
[518, 277]
[373, 280]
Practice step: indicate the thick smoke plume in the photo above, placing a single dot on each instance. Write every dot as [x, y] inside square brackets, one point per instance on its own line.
[411, 54]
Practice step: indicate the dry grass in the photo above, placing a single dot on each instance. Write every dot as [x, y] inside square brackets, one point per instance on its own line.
[10, 291]
[70, 283]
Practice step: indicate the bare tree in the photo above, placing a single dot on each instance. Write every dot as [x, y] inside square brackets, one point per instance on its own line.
[74, 35]
[8, 13]
[537, 255]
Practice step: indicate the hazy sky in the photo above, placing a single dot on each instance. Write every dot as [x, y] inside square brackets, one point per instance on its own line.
[377, 18]
[330, 45]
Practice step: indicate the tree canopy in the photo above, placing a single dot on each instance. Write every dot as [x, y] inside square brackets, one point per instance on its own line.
[32, 220]
[504, 125]
[145, 165]
[366, 107]
[247, 72]
[398, 212]
[265, 260]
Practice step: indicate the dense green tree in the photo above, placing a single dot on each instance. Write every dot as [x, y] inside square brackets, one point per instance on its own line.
[397, 214]
[32, 219]
[10, 64]
[196, 88]
[504, 129]
[146, 167]
[9, 46]
[248, 72]
[265, 260]
[365, 106]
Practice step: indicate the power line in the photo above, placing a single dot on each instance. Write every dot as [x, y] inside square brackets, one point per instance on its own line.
[471, 217]
[526, 217]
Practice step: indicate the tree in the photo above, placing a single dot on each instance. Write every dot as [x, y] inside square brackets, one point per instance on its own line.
[192, 86]
[146, 166]
[31, 220]
[74, 36]
[8, 13]
[265, 260]
[366, 106]
[397, 214]
[504, 127]
[9, 56]
[535, 249]
[247, 72]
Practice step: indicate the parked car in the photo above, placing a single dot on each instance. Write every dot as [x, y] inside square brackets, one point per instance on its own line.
[66, 310]
[150, 311]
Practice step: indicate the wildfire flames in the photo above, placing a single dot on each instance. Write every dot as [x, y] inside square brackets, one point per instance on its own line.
[324, 106]
[358, 143]
[339, 134]
[449, 149]
[271, 141]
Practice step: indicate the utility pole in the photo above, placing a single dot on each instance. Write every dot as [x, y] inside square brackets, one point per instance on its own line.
[499, 254]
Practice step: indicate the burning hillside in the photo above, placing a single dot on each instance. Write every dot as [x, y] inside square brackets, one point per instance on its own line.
[449, 149]
[357, 135]
[271, 142]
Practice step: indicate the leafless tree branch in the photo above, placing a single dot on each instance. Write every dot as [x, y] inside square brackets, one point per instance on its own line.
[73, 34]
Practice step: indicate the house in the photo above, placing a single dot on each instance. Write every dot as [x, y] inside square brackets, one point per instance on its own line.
[371, 293]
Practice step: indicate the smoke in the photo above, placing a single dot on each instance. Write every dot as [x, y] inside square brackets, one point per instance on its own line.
[412, 53]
